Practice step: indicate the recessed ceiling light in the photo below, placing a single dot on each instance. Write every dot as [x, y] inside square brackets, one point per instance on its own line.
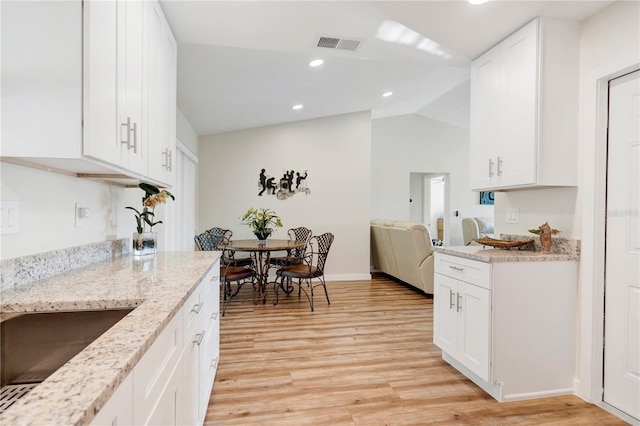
[477, 1]
[387, 94]
[316, 63]
[299, 106]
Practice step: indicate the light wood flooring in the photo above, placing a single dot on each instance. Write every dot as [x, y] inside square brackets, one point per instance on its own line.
[367, 359]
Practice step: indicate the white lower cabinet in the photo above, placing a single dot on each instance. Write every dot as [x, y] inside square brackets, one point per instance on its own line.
[464, 311]
[172, 382]
[507, 326]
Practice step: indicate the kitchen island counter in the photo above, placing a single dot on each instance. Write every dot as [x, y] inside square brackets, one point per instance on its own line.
[156, 286]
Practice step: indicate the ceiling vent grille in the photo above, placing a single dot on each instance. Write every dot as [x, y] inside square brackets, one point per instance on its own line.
[338, 43]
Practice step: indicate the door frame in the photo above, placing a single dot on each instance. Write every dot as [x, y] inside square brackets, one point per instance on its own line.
[590, 361]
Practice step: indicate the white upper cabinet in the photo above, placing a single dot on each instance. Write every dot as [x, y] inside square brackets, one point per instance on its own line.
[524, 109]
[108, 108]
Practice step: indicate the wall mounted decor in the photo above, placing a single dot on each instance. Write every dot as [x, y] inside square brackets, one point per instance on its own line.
[486, 197]
[290, 183]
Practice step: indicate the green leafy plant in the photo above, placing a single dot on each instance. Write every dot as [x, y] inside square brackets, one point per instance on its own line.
[261, 221]
[152, 197]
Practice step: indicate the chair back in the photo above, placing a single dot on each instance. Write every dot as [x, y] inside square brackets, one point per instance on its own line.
[225, 233]
[319, 246]
[301, 234]
[208, 241]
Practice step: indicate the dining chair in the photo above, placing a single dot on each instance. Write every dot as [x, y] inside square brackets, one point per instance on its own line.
[232, 276]
[222, 237]
[293, 256]
[311, 268]
[207, 241]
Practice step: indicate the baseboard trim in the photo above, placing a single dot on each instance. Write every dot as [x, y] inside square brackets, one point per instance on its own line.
[348, 277]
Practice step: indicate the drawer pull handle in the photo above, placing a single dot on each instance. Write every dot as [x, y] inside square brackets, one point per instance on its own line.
[459, 307]
[456, 268]
[198, 339]
[196, 308]
[214, 316]
[214, 362]
[451, 299]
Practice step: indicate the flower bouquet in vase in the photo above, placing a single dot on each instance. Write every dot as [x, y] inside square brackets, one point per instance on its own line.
[145, 239]
[262, 222]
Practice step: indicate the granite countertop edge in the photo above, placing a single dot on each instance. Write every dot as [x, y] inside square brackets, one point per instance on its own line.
[489, 254]
[155, 286]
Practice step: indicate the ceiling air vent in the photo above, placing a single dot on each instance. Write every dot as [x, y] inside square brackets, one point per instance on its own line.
[338, 43]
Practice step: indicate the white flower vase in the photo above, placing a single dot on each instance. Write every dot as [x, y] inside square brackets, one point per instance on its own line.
[144, 244]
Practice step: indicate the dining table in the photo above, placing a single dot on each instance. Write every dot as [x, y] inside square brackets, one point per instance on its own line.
[262, 250]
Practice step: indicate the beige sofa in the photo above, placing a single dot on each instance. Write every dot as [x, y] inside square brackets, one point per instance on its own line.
[476, 227]
[403, 250]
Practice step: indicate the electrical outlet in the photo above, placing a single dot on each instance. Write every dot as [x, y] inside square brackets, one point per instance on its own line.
[82, 215]
[513, 215]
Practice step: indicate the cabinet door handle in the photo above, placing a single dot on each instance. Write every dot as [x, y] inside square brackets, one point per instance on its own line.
[127, 125]
[214, 316]
[196, 308]
[450, 299]
[499, 167]
[198, 338]
[169, 159]
[135, 137]
[456, 268]
[490, 167]
[214, 361]
[459, 307]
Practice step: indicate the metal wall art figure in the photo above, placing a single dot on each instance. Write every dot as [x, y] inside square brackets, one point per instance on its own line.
[290, 183]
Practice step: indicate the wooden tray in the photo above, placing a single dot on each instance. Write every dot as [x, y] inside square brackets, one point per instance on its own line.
[486, 241]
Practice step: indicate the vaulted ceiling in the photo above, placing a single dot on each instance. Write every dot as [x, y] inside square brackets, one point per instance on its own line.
[244, 64]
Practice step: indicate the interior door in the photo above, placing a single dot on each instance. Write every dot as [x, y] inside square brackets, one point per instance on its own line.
[622, 266]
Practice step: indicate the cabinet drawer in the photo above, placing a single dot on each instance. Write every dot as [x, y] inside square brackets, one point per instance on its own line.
[471, 271]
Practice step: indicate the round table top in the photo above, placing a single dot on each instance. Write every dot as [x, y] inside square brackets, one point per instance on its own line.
[270, 245]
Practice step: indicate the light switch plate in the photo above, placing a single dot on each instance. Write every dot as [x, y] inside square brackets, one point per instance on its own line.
[9, 217]
[513, 215]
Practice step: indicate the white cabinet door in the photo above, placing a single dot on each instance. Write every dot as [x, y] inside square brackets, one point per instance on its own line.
[485, 113]
[516, 157]
[130, 51]
[445, 327]
[160, 97]
[101, 126]
[462, 320]
[473, 305]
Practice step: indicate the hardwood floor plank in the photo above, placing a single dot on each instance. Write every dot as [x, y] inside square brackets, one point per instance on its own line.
[366, 359]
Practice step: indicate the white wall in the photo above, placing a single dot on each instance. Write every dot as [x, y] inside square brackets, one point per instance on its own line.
[413, 143]
[336, 151]
[609, 46]
[47, 210]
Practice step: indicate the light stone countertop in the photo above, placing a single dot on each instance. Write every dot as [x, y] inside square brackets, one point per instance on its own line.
[157, 286]
[490, 254]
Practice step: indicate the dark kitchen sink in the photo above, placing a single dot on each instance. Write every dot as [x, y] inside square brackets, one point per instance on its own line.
[35, 345]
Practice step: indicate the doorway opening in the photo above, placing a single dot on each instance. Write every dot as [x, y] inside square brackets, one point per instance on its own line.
[429, 203]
